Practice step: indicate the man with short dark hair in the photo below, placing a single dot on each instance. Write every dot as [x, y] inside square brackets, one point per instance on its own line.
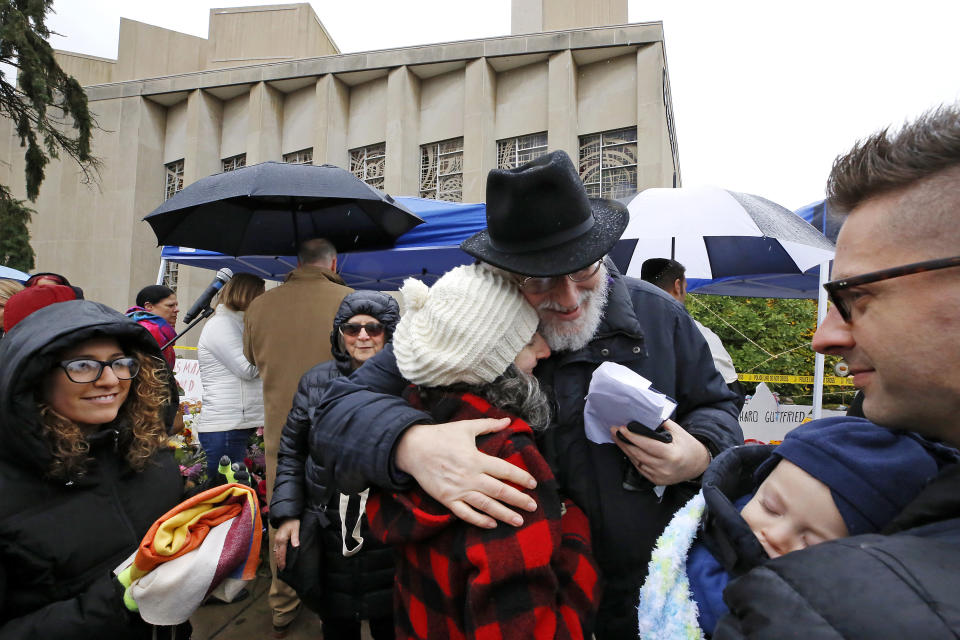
[895, 320]
[286, 332]
[552, 240]
[670, 276]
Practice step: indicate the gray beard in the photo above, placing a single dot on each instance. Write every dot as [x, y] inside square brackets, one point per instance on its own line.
[575, 335]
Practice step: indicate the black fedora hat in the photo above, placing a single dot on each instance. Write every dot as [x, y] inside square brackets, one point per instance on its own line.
[540, 221]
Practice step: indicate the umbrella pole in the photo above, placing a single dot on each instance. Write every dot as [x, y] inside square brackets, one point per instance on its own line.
[818, 359]
[673, 248]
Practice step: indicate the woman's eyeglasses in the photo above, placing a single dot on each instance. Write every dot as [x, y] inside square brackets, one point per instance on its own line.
[351, 329]
[836, 288]
[82, 370]
[532, 284]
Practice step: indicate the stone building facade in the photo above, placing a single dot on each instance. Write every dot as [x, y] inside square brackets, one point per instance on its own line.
[269, 83]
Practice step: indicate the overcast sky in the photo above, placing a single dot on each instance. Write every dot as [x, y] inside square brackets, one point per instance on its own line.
[765, 93]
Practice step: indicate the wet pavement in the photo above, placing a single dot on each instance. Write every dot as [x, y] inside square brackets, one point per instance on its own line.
[250, 618]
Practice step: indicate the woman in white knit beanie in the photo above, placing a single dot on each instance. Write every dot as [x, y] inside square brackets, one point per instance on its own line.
[469, 345]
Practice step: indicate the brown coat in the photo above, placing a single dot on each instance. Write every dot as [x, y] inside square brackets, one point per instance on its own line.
[286, 332]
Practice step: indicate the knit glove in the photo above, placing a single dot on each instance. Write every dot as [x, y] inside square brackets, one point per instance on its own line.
[125, 580]
[236, 472]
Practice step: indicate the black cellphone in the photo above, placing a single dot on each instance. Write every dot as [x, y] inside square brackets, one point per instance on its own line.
[660, 433]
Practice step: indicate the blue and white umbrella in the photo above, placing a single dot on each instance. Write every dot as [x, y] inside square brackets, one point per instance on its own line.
[716, 233]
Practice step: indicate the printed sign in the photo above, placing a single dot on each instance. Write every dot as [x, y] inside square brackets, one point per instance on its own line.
[765, 420]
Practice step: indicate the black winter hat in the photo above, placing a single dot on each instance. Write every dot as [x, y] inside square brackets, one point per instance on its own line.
[540, 221]
[872, 472]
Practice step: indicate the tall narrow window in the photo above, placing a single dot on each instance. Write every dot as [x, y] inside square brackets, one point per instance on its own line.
[174, 179]
[171, 274]
[234, 162]
[513, 152]
[304, 156]
[369, 163]
[441, 170]
[608, 163]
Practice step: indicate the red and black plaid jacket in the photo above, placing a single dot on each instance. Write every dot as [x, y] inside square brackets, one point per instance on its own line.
[455, 580]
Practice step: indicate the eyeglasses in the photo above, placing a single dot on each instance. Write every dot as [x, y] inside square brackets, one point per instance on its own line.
[82, 370]
[532, 284]
[373, 329]
[836, 288]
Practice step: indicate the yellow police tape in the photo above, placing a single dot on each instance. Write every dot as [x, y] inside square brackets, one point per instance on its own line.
[767, 377]
[176, 346]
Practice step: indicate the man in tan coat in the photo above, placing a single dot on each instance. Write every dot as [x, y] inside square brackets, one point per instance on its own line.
[287, 331]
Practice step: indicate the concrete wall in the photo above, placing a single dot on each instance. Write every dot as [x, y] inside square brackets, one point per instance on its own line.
[533, 16]
[237, 36]
[299, 116]
[522, 100]
[87, 70]
[567, 84]
[146, 51]
[441, 107]
[607, 94]
[252, 35]
[367, 123]
[233, 138]
[175, 136]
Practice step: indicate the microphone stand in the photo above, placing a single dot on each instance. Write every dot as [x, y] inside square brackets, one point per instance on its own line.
[206, 313]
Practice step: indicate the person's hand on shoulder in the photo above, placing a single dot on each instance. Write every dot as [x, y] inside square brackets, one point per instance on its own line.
[445, 462]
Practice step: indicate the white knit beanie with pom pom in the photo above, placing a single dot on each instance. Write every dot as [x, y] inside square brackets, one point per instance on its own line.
[468, 327]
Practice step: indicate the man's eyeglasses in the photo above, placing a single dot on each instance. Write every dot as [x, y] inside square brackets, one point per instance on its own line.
[351, 329]
[835, 289]
[532, 284]
[83, 370]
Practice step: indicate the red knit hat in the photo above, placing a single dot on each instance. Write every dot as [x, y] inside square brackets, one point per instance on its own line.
[23, 303]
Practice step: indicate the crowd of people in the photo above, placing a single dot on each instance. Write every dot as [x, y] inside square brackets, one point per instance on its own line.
[428, 469]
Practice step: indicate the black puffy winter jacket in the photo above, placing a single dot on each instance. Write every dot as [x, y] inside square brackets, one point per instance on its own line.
[361, 418]
[60, 541]
[359, 587]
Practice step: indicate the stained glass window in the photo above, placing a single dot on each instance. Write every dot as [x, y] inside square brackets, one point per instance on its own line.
[174, 179]
[608, 163]
[441, 170]
[369, 163]
[513, 152]
[234, 162]
[304, 156]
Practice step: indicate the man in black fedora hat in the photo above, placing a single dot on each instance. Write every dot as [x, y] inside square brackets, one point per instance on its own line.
[552, 240]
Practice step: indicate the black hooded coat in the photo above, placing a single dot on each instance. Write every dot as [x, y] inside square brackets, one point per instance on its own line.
[60, 540]
[361, 586]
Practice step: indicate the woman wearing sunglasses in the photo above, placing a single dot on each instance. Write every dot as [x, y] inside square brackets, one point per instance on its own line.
[356, 579]
[85, 409]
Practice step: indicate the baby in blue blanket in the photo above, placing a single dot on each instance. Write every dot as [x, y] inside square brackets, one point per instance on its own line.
[829, 479]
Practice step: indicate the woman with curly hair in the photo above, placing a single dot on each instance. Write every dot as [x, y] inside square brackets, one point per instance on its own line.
[85, 411]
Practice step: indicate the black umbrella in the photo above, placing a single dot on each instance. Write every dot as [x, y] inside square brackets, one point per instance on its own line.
[269, 208]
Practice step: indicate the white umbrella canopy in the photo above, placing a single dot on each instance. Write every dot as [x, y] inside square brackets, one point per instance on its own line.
[718, 233]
